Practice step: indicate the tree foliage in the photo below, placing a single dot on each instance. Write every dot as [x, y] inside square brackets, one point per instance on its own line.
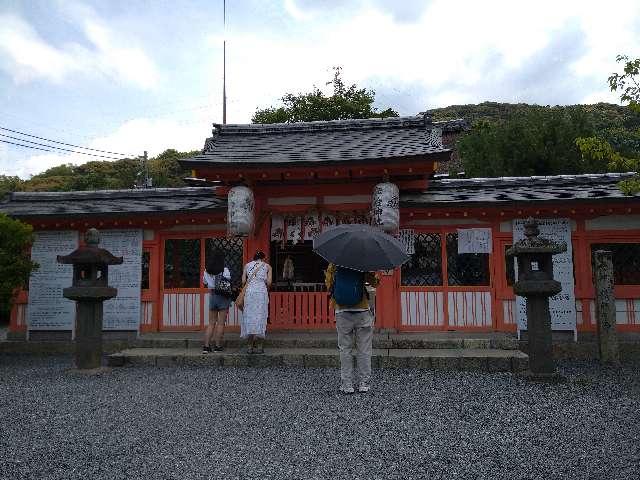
[15, 261]
[344, 103]
[627, 82]
[532, 141]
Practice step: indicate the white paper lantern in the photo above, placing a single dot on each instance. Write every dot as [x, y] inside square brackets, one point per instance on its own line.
[240, 211]
[385, 207]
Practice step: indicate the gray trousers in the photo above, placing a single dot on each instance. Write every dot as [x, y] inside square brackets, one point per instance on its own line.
[358, 326]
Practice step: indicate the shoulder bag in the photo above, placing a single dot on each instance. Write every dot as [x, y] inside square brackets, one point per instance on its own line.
[222, 286]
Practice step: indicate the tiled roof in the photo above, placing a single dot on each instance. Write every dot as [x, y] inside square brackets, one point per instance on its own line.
[324, 142]
[445, 192]
[111, 202]
[442, 192]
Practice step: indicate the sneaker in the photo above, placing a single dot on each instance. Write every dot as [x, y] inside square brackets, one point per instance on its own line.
[218, 348]
[363, 387]
[206, 350]
[348, 389]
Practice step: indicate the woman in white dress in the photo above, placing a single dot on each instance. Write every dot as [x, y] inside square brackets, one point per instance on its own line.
[256, 302]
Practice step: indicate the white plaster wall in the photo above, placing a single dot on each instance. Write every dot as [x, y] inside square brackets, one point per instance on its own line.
[613, 222]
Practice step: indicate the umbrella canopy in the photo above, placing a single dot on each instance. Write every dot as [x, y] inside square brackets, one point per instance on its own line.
[360, 247]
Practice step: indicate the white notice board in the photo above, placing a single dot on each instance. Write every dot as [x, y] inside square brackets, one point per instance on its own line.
[123, 311]
[48, 309]
[474, 240]
[562, 306]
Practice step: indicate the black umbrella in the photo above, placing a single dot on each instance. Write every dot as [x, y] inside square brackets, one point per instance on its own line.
[360, 247]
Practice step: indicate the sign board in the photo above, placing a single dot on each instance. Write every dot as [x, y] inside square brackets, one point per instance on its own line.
[407, 238]
[123, 311]
[47, 308]
[562, 306]
[474, 240]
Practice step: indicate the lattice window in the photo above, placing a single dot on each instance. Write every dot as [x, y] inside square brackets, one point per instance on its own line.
[465, 269]
[626, 261]
[182, 263]
[425, 267]
[232, 249]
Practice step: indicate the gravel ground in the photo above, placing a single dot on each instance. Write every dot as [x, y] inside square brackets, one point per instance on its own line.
[291, 424]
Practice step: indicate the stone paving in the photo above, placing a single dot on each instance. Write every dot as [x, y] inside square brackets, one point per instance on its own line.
[290, 423]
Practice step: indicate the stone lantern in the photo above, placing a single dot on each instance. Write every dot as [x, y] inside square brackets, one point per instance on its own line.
[90, 287]
[535, 283]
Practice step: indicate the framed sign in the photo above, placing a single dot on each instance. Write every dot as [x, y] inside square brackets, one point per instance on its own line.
[47, 308]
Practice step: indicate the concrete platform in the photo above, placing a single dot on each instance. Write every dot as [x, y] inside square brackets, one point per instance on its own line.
[328, 339]
[466, 359]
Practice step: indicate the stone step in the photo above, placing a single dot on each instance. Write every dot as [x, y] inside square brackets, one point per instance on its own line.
[471, 359]
[329, 341]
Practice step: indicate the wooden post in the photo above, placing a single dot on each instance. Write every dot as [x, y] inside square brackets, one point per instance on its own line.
[605, 308]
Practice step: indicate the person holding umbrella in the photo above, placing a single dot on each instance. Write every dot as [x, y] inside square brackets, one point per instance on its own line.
[354, 321]
[354, 253]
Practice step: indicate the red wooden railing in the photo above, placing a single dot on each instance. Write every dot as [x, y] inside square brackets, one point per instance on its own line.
[300, 310]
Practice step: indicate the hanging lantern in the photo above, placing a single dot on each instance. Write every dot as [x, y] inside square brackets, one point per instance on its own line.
[385, 207]
[240, 211]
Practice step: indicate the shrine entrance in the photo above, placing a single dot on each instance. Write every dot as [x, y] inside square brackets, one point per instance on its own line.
[298, 297]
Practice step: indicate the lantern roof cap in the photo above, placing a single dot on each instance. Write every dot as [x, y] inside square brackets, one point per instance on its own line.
[534, 243]
[90, 253]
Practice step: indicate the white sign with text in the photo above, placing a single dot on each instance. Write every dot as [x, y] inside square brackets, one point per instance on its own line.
[474, 240]
[123, 311]
[48, 309]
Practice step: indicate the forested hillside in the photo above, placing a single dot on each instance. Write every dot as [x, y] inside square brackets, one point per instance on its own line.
[164, 170]
[521, 139]
[505, 139]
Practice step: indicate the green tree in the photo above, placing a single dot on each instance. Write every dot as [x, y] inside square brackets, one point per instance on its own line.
[627, 82]
[535, 141]
[15, 262]
[166, 171]
[345, 103]
[626, 143]
[9, 184]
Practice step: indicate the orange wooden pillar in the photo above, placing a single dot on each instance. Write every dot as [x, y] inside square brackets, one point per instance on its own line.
[259, 239]
[388, 300]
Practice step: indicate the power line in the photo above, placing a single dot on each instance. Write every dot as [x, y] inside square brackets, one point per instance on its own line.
[26, 146]
[63, 143]
[51, 146]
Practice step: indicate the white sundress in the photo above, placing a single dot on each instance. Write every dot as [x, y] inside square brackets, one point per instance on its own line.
[256, 300]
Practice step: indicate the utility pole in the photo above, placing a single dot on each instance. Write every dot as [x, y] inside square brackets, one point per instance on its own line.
[224, 62]
[144, 181]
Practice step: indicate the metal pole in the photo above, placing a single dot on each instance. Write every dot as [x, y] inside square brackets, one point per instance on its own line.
[224, 63]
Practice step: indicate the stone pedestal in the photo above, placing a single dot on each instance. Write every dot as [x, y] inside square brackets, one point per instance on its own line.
[88, 334]
[605, 307]
[539, 332]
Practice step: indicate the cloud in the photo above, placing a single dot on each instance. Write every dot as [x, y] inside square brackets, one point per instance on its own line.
[26, 56]
[427, 54]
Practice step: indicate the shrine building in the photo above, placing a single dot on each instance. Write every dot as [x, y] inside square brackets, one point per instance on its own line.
[274, 187]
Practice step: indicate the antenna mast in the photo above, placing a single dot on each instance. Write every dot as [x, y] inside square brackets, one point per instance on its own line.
[224, 62]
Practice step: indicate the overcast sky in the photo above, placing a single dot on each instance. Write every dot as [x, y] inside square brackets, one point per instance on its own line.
[128, 76]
